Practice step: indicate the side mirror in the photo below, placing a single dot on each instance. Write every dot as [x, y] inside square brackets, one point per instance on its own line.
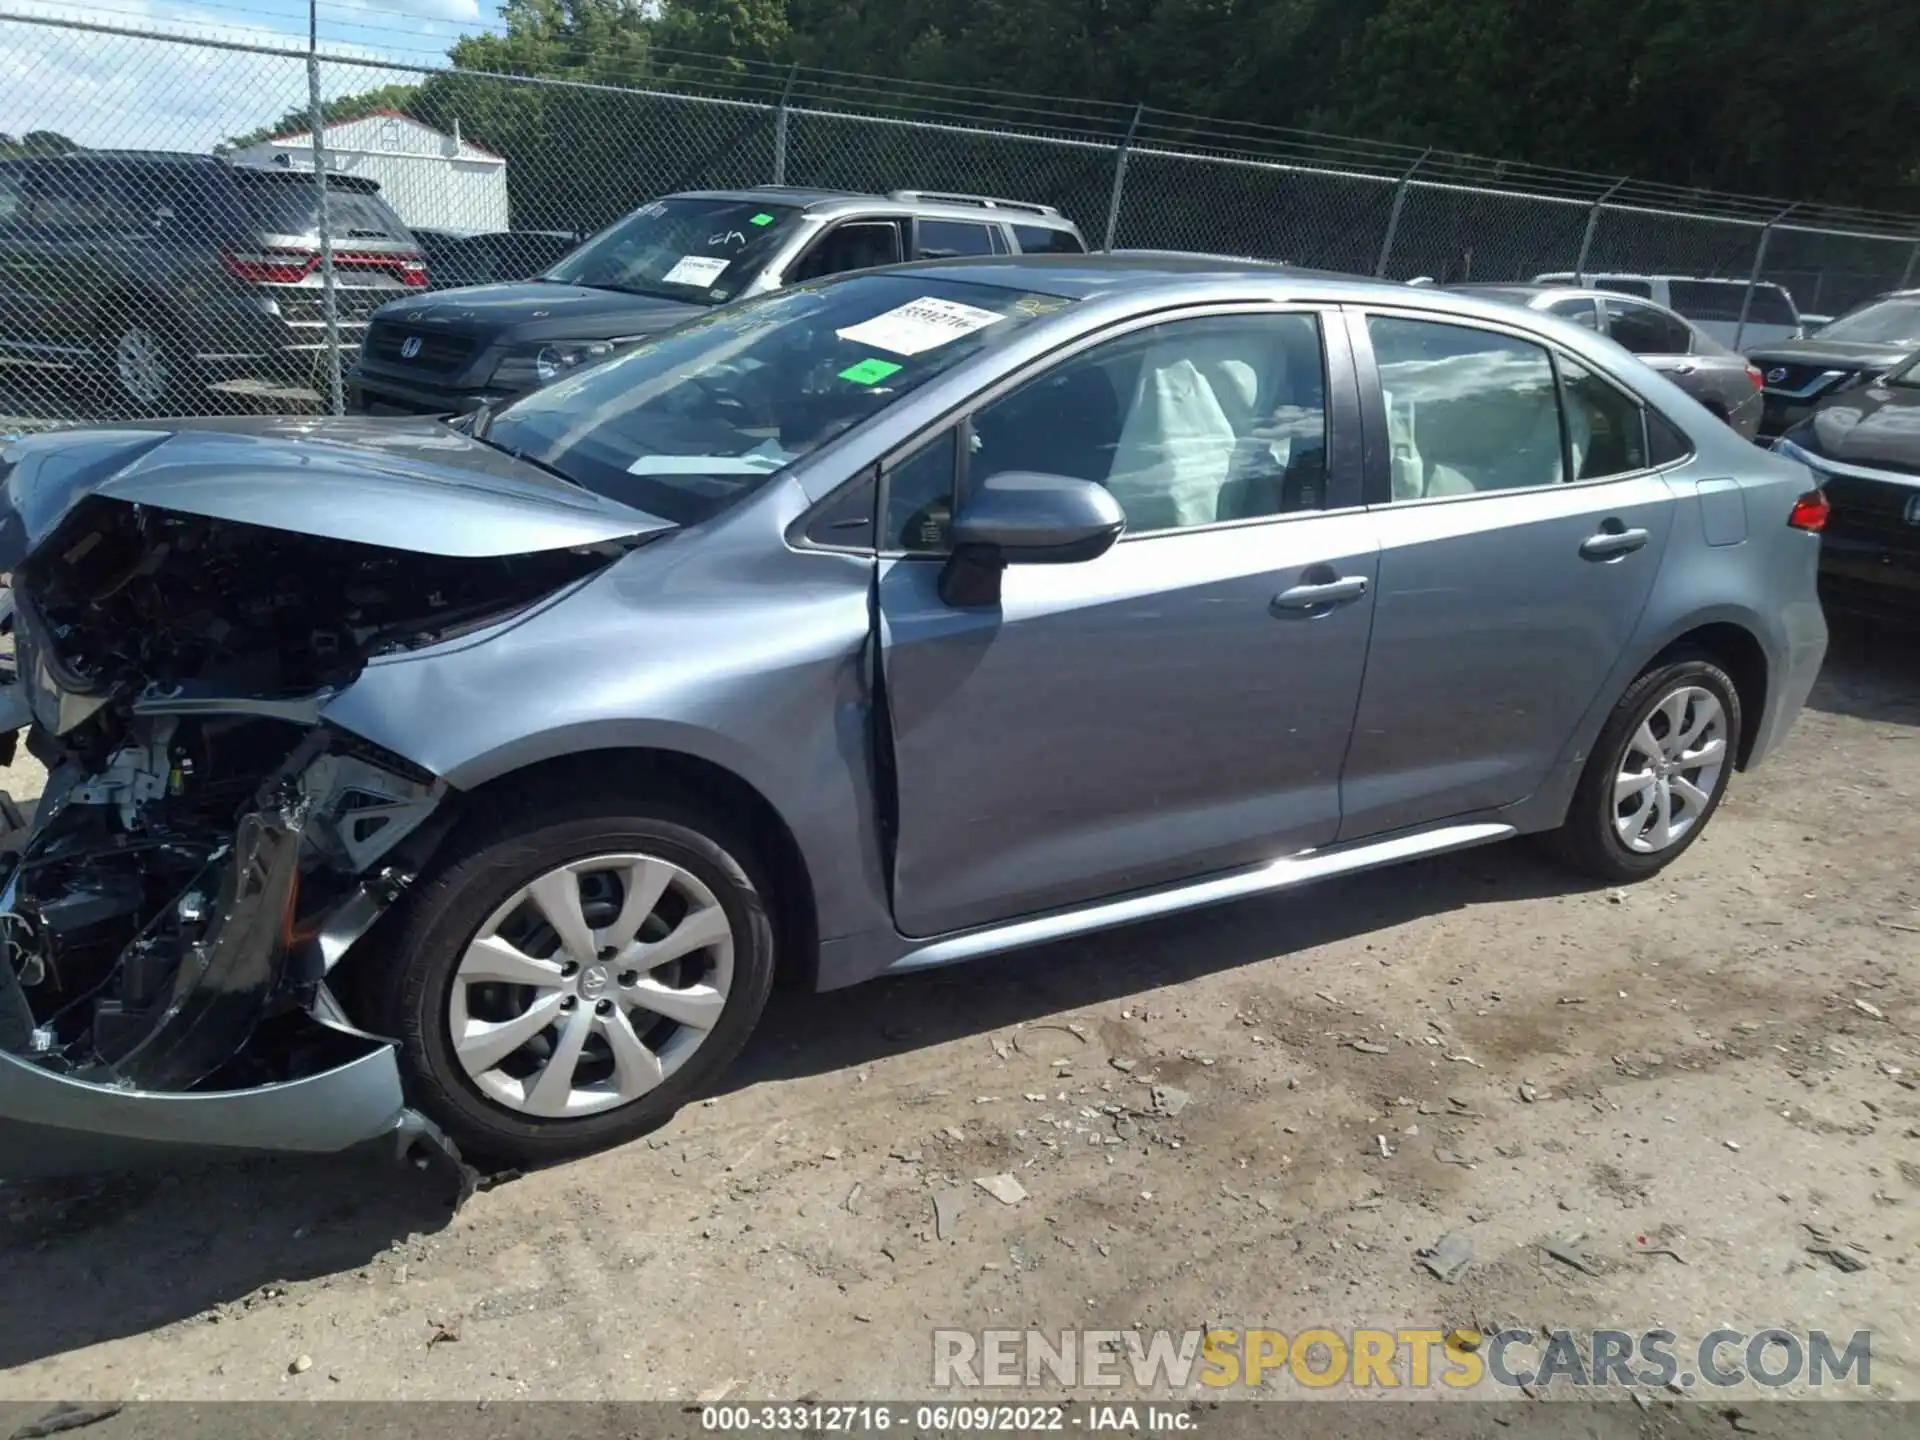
[1024, 518]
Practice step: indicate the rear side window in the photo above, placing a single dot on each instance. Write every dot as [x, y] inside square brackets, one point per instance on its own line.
[1722, 299]
[1647, 331]
[939, 239]
[1579, 309]
[1041, 240]
[1618, 286]
[1468, 411]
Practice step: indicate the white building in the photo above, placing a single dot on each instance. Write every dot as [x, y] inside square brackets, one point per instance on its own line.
[434, 180]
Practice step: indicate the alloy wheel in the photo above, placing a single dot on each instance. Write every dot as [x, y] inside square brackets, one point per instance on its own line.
[591, 985]
[1670, 770]
[140, 364]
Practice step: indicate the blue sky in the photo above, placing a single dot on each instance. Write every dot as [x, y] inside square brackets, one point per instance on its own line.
[109, 90]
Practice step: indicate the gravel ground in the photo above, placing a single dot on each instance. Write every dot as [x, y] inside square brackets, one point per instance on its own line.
[1679, 1079]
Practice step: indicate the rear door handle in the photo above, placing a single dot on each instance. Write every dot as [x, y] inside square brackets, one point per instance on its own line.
[1319, 597]
[1685, 368]
[1609, 543]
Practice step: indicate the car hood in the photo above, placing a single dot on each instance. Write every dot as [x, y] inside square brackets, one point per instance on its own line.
[1876, 425]
[415, 485]
[1834, 354]
[539, 310]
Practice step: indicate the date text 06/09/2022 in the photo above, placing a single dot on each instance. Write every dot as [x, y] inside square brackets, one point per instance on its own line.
[865, 1417]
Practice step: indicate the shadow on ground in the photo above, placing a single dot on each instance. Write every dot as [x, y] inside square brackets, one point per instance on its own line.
[216, 1236]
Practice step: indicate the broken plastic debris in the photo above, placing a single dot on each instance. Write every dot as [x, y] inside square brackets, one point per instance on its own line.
[1004, 1188]
[1447, 1257]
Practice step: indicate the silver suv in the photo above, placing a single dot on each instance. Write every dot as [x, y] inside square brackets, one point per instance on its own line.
[671, 260]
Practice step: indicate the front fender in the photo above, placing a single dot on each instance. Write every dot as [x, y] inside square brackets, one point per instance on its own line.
[749, 656]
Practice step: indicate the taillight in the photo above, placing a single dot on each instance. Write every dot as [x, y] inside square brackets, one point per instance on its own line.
[270, 267]
[413, 271]
[1753, 374]
[1810, 512]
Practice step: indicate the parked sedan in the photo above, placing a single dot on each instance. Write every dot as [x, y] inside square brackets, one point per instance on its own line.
[1678, 348]
[483, 775]
[1853, 350]
[1864, 444]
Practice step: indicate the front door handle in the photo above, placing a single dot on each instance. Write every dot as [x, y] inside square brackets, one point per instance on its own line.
[1609, 543]
[1322, 597]
[1686, 367]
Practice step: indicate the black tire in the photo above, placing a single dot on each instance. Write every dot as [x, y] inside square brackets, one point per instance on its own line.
[160, 334]
[409, 981]
[1587, 840]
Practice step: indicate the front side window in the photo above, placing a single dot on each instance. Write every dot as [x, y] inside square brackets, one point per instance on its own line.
[942, 239]
[1646, 331]
[691, 422]
[856, 245]
[701, 250]
[1468, 410]
[1193, 422]
[1606, 429]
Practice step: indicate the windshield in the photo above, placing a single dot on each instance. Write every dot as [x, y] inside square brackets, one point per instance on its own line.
[1885, 322]
[1906, 373]
[689, 423]
[704, 251]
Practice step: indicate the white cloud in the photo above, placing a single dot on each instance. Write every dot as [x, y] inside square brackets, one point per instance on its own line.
[119, 91]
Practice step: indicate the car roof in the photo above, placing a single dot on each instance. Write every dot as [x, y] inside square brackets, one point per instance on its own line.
[1652, 275]
[1086, 277]
[835, 203]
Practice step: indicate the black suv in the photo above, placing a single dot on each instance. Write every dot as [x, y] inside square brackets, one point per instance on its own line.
[668, 261]
[161, 274]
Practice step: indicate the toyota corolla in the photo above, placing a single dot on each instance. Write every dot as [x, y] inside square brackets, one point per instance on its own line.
[479, 778]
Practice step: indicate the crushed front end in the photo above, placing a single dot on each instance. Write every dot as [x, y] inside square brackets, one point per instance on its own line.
[208, 848]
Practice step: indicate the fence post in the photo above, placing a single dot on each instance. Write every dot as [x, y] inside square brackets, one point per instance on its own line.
[1593, 224]
[316, 119]
[1753, 276]
[1906, 275]
[1120, 175]
[1393, 215]
[780, 119]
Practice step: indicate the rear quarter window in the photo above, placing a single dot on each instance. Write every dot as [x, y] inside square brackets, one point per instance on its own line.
[1044, 240]
[1721, 300]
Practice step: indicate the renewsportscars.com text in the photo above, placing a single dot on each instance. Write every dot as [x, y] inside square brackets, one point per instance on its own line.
[1163, 1361]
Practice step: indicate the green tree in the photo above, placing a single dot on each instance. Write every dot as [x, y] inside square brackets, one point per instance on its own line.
[347, 107]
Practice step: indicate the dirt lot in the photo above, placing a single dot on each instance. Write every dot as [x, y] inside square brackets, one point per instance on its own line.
[1709, 1064]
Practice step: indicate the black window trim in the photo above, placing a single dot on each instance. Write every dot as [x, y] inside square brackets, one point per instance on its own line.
[1378, 479]
[1346, 432]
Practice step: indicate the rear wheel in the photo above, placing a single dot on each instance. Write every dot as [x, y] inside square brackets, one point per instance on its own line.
[145, 368]
[575, 973]
[1656, 774]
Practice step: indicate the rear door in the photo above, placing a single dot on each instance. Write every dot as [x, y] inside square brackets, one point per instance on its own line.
[1520, 531]
[1179, 705]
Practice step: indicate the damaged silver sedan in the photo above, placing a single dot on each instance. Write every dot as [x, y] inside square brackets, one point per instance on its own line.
[473, 780]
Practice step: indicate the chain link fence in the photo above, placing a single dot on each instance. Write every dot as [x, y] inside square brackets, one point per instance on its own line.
[196, 225]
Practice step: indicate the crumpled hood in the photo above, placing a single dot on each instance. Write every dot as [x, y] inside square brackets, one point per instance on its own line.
[526, 311]
[415, 485]
[1875, 425]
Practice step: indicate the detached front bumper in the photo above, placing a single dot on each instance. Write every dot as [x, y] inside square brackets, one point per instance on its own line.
[52, 1125]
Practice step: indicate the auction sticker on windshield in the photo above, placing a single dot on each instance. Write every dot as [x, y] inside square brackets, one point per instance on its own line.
[920, 325]
[695, 270]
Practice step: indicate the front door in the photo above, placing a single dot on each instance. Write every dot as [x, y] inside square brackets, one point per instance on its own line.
[1517, 550]
[1180, 705]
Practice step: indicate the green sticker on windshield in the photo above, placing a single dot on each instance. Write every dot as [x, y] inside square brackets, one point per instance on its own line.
[869, 372]
[761, 219]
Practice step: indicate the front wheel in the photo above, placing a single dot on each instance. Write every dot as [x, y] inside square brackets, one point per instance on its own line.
[1656, 774]
[575, 973]
[146, 369]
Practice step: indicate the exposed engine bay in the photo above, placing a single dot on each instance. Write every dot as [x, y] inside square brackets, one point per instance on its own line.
[208, 847]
